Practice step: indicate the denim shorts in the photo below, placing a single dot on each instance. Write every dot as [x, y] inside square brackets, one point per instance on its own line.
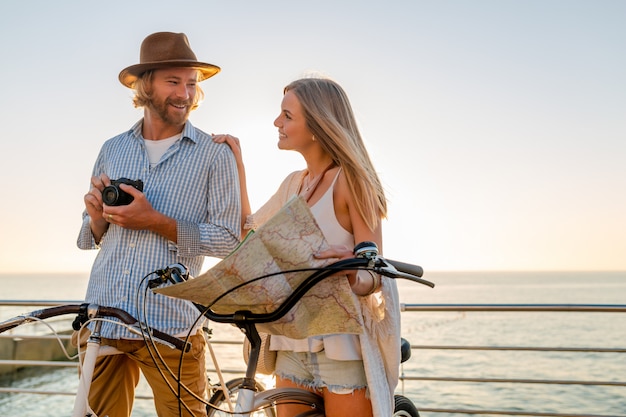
[316, 371]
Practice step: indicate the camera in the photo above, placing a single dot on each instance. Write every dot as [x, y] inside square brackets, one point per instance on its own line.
[113, 195]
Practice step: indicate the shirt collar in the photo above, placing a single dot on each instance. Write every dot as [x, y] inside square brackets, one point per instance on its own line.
[189, 131]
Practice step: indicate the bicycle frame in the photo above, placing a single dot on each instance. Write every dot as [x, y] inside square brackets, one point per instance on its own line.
[91, 312]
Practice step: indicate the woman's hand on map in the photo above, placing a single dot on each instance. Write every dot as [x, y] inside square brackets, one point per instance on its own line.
[339, 252]
[336, 252]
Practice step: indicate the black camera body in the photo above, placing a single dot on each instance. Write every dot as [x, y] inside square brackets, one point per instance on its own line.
[113, 195]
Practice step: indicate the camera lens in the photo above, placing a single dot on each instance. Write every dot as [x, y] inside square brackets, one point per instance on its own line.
[110, 195]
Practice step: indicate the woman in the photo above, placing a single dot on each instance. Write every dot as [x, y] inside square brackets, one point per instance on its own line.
[356, 374]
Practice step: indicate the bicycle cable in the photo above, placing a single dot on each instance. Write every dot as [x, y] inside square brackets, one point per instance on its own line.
[56, 335]
[153, 351]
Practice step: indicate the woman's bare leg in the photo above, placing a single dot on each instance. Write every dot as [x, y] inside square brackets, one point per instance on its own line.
[290, 410]
[341, 405]
[336, 405]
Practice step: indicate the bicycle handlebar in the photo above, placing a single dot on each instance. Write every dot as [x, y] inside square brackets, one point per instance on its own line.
[369, 250]
[410, 269]
[366, 258]
[376, 264]
[87, 311]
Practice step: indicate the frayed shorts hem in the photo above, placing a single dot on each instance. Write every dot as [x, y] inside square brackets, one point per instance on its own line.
[315, 371]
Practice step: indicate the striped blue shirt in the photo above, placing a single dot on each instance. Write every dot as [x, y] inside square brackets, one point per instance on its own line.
[196, 183]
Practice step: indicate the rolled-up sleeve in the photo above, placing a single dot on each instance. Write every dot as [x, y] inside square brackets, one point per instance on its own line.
[85, 236]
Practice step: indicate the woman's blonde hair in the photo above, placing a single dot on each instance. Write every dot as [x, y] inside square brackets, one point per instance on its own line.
[329, 117]
[142, 91]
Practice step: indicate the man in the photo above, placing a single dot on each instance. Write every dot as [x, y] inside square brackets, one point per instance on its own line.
[185, 208]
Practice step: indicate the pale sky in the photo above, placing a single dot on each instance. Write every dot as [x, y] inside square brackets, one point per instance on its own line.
[498, 127]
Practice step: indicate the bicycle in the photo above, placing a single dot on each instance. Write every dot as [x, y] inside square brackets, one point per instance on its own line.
[91, 312]
[86, 312]
[246, 394]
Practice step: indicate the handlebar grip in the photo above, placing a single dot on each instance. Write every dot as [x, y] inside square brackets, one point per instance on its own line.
[407, 268]
[176, 342]
[128, 319]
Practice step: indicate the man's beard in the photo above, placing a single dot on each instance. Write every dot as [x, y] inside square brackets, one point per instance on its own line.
[162, 109]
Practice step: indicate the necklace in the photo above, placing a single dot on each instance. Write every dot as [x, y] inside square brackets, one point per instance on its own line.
[308, 183]
[307, 190]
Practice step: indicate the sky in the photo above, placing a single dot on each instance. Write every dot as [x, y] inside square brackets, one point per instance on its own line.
[497, 127]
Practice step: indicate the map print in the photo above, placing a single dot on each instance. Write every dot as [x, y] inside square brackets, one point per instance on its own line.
[285, 242]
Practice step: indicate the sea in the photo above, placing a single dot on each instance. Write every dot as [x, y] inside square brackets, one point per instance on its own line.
[433, 363]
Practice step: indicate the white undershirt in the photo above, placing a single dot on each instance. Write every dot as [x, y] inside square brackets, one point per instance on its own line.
[157, 148]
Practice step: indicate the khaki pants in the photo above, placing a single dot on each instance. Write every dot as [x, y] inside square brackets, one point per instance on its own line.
[115, 377]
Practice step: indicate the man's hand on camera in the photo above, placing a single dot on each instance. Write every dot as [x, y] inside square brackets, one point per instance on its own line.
[140, 215]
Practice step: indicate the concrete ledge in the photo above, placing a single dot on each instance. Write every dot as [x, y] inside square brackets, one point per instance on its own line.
[32, 349]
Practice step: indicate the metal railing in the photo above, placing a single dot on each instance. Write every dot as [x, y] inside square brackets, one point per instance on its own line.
[516, 308]
[406, 308]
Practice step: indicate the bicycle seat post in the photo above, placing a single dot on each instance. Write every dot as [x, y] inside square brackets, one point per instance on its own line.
[252, 334]
[248, 386]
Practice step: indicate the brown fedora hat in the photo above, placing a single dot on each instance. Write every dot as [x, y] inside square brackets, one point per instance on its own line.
[166, 50]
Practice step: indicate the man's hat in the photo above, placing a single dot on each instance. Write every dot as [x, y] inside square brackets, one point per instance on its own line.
[166, 50]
